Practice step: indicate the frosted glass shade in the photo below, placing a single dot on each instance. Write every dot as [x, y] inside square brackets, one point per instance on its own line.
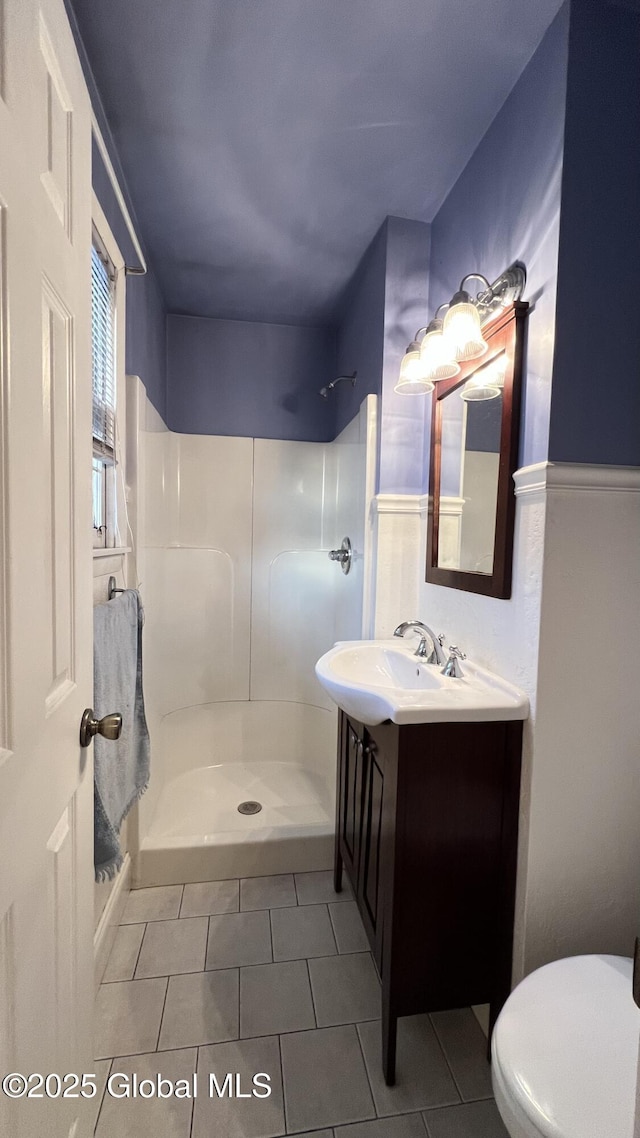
[412, 379]
[487, 382]
[473, 392]
[462, 331]
[437, 357]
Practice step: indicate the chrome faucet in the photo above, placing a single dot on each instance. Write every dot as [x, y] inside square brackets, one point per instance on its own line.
[436, 655]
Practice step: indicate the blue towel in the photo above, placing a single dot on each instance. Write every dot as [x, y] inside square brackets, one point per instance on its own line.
[121, 767]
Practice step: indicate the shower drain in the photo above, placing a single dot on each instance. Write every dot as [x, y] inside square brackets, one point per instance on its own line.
[249, 808]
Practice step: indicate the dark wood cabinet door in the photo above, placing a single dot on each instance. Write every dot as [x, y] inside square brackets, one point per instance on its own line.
[350, 791]
[371, 831]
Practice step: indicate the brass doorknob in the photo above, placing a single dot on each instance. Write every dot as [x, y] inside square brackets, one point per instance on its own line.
[110, 726]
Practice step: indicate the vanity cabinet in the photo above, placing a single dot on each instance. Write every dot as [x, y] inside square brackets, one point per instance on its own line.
[426, 831]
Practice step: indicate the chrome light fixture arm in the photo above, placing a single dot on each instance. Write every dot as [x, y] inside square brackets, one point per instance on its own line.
[506, 288]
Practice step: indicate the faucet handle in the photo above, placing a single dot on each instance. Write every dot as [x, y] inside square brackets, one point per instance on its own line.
[452, 666]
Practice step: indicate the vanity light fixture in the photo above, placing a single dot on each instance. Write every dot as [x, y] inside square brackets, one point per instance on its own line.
[413, 371]
[458, 338]
[462, 325]
[435, 352]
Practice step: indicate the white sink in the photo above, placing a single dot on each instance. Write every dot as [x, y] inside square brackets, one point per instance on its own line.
[375, 680]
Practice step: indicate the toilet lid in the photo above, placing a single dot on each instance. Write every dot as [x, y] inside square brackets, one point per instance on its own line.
[565, 1050]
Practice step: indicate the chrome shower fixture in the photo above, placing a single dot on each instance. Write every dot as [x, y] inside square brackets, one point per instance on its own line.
[324, 391]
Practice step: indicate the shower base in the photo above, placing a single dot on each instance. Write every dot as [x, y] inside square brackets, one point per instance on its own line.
[209, 759]
[199, 835]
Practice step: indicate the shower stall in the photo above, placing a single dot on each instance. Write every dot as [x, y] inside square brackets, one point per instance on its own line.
[241, 598]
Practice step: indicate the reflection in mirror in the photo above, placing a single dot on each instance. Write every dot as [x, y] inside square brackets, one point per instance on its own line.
[471, 427]
[475, 428]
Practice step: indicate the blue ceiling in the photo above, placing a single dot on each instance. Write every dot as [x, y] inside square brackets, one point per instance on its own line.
[264, 141]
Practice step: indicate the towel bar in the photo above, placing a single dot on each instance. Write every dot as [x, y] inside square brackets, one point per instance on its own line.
[112, 590]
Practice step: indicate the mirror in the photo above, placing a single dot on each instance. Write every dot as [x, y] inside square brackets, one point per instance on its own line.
[474, 453]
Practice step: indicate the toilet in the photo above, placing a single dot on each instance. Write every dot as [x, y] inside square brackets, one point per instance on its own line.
[565, 1051]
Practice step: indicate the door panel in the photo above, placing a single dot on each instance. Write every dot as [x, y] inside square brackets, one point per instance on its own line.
[57, 387]
[351, 799]
[46, 782]
[371, 832]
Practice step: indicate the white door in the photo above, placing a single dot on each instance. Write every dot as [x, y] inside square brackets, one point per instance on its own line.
[46, 781]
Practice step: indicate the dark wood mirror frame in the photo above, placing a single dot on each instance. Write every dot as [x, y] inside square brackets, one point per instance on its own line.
[504, 333]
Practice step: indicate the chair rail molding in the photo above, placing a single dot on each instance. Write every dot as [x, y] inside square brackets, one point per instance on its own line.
[549, 476]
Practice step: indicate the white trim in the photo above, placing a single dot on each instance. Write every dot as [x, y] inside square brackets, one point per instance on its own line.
[104, 935]
[369, 412]
[113, 178]
[114, 551]
[549, 476]
[400, 503]
[112, 249]
[530, 479]
[450, 506]
[581, 476]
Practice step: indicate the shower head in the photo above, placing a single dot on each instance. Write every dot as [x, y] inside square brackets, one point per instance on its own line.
[324, 391]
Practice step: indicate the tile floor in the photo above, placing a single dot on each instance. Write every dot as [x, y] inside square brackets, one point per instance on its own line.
[273, 974]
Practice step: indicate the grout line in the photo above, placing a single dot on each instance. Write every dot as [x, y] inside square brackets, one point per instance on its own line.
[104, 1092]
[193, 1108]
[147, 921]
[239, 1006]
[284, 1101]
[165, 1051]
[483, 1098]
[164, 1004]
[364, 1063]
[273, 959]
[333, 931]
[446, 1058]
[313, 1002]
[166, 976]
[305, 1031]
[127, 979]
[206, 946]
[333, 928]
[139, 951]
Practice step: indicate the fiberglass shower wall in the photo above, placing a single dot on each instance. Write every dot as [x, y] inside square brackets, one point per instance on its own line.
[240, 596]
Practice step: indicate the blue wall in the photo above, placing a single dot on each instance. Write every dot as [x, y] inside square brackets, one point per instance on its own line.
[384, 306]
[595, 404]
[360, 336]
[506, 206]
[231, 377]
[403, 466]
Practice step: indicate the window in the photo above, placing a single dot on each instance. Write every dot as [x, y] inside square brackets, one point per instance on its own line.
[103, 309]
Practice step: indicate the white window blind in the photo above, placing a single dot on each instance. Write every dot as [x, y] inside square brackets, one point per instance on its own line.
[104, 381]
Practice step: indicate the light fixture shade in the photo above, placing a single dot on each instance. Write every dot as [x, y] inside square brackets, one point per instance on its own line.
[412, 379]
[436, 354]
[462, 329]
[486, 383]
[474, 392]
